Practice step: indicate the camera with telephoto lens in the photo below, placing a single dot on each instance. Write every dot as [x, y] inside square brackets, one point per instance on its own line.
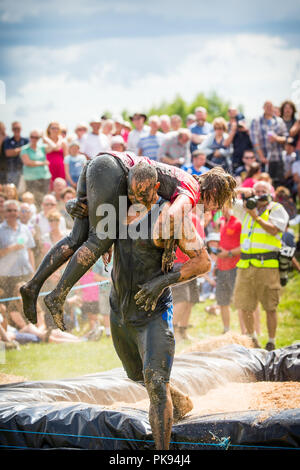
[251, 202]
[285, 263]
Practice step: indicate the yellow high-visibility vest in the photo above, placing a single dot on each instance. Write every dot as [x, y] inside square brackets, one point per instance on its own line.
[254, 239]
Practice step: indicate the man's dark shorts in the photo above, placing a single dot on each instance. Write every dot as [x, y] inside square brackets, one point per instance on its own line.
[187, 292]
[225, 286]
[147, 351]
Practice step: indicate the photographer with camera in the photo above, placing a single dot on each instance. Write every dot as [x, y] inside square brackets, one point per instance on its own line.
[258, 276]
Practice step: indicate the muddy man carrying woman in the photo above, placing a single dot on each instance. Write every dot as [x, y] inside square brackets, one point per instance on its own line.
[102, 181]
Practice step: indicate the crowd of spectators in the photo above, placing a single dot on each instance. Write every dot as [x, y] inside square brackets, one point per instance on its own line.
[39, 174]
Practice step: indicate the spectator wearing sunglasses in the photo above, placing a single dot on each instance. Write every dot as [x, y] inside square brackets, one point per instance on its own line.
[36, 167]
[16, 244]
[49, 203]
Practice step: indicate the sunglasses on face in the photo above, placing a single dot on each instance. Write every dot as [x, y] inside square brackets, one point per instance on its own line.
[53, 220]
[34, 137]
[49, 204]
[55, 128]
[11, 210]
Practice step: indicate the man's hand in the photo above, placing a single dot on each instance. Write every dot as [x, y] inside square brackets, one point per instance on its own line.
[77, 208]
[149, 294]
[253, 213]
[223, 253]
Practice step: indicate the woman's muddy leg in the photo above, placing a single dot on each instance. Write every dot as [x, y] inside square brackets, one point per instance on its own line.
[53, 260]
[56, 257]
[106, 181]
[84, 258]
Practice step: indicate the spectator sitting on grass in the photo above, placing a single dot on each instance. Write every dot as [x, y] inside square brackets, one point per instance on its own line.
[27, 332]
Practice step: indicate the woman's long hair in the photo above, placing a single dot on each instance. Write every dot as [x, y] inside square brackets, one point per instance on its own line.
[217, 185]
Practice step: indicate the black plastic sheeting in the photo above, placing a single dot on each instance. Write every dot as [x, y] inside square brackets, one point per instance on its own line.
[74, 413]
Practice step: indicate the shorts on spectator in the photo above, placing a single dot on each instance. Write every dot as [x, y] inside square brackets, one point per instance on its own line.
[255, 285]
[90, 307]
[225, 286]
[188, 292]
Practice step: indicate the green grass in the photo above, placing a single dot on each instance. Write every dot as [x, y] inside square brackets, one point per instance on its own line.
[53, 361]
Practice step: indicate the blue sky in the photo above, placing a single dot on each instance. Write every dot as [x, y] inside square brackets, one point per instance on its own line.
[68, 60]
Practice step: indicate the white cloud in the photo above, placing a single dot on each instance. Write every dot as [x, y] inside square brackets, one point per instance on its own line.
[244, 69]
[233, 11]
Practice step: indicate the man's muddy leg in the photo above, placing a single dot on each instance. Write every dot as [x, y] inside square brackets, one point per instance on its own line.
[54, 259]
[160, 412]
[106, 181]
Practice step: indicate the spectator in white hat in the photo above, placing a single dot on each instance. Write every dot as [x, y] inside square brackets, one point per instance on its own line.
[118, 143]
[95, 141]
[81, 131]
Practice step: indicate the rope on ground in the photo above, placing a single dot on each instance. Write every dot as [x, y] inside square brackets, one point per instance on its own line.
[224, 442]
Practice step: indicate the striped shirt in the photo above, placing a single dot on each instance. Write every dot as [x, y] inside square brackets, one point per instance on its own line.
[150, 144]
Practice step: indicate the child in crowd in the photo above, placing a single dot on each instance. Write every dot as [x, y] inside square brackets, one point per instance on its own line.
[74, 162]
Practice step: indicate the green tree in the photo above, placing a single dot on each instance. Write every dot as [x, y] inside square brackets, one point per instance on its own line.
[214, 104]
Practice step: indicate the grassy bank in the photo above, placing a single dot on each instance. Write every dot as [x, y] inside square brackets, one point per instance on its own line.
[49, 361]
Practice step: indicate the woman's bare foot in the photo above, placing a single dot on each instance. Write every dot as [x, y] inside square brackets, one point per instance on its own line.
[55, 307]
[29, 299]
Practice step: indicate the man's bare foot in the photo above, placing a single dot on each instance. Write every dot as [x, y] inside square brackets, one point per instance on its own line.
[29, 299]
[182, 404]
[56, 309]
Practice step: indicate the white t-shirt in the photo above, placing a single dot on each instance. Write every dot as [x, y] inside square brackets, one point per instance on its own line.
[278, 215]
[134, 137]
[95, 143]
[296, 168]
